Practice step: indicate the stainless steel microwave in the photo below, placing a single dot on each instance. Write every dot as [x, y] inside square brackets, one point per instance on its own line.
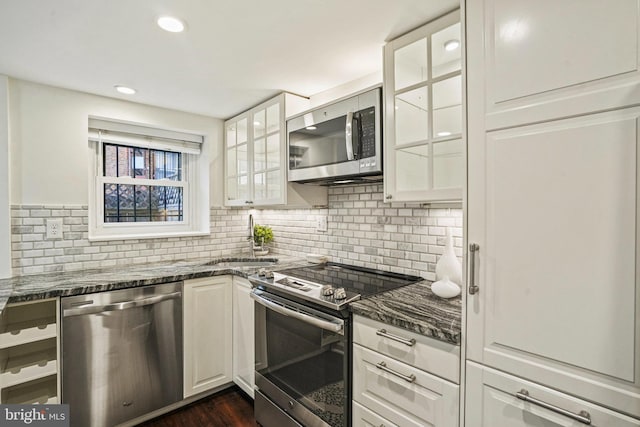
[339, 141]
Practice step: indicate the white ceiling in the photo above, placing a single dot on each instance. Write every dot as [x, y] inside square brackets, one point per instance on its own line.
[234, 54]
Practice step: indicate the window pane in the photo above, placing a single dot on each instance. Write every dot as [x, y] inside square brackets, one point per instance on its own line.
[411, 64]
[243, 163]
[141, 203]
[447, 164]
[412, 116]
[258, 123]
[174, 203]
[243, 187]
[273, 151]
[141, 163]
[232, 188]
[157, 164]
[445, 51]
[259, 186]
[259, 154]
[241, 131]
[125, 161]
[273, 184]
[111, 203]
[231, 162]
[273, 118]
[413, 173]
[173, 166]
[110, 156]
[231, 135]
[125, 201]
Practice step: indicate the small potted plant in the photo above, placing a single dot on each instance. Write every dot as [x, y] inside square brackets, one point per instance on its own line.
[262, 235]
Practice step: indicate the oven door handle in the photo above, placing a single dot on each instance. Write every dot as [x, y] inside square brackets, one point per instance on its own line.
[321, 323]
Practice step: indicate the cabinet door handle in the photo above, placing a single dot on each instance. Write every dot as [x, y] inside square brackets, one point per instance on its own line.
[248, 202]
[408, 378]
[383, 333]
[473, 288]
[388, 197]
[584, 417]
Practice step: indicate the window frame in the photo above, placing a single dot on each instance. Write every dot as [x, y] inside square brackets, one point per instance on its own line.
[194, 222]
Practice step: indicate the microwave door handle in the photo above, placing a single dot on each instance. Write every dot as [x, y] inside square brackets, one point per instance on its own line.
[348, 131]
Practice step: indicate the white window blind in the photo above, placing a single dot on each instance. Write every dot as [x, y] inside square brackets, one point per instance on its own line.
[101, 130]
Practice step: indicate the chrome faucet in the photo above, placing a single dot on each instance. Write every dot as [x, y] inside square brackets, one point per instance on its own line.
[251, 235]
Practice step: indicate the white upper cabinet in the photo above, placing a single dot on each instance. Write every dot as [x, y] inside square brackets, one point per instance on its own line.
[553, 195]
[539, 65]
[255, 158]
[424, 144]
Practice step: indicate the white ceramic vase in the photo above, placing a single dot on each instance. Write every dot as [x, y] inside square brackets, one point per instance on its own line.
[448, 264]
[445, 288]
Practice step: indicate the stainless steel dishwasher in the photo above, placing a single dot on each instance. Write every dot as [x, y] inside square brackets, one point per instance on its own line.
[121, 353]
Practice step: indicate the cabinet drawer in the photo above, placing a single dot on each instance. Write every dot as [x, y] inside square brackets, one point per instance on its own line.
[491, 401]
[434, 356]
[363, 417]
[402, 393]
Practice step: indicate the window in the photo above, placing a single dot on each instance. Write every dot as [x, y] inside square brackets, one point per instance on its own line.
[146, 182]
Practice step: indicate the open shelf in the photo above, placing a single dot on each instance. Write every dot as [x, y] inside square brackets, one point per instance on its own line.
[27, 362]
[24, 323]
[41, 391]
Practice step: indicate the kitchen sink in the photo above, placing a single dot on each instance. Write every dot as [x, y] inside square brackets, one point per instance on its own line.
[248, 263]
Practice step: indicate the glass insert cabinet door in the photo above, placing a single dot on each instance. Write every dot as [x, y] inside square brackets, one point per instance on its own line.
[424, 142]
[254, 152]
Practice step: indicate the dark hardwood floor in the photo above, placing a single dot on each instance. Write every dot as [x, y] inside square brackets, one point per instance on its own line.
[228, 408]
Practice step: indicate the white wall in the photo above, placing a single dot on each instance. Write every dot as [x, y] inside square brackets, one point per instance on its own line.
[49, 147]
[345, 89]
[5, 166]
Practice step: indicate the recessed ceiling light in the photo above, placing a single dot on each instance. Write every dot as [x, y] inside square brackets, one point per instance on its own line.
[444, 133]
[171, 24]
[124, 89]
[450, 45]
[311, 128]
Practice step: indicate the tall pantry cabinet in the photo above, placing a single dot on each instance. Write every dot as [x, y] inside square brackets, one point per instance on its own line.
[553, 302]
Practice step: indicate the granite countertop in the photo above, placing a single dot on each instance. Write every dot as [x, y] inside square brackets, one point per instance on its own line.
[50, 285]
[416, 308]
[413, 307]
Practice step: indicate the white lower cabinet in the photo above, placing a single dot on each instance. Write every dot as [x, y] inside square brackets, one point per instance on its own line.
[243, 335]
[391, 385]
[491, 401]
[364, 417]
[207, 333]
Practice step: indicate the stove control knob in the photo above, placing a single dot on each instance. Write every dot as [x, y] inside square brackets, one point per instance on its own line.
[262, 272]
[340, 293]
[268, 274]
[327, 290]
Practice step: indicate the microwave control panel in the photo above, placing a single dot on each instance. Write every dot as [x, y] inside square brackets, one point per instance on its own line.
[367, 132]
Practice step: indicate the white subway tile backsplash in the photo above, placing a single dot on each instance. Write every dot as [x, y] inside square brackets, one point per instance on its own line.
[362, 230]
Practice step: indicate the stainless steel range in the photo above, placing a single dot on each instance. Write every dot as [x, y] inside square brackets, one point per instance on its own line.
[303, 341]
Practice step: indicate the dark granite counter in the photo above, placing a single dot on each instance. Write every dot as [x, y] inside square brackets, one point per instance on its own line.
[50, 285]
[417, 309]
[412, 307]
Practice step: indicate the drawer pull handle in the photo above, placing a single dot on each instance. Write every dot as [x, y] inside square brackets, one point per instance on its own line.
[384, 333]
[408, 378]
[584, 417]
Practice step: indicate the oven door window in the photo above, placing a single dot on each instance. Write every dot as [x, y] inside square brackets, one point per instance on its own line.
[306, 362]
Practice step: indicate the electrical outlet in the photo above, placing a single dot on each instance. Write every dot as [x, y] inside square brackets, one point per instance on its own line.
[54, 228]
[321, 223]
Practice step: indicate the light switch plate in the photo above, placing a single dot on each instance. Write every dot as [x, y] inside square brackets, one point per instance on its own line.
[54, 229]
[321, 223]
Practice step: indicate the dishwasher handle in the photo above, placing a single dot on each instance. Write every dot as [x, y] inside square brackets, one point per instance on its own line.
[120, 305]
